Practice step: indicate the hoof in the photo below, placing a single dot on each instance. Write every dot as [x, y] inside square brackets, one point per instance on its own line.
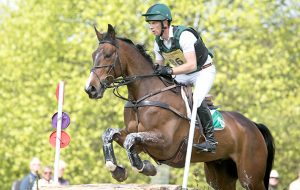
[148, 169]
[119, 174]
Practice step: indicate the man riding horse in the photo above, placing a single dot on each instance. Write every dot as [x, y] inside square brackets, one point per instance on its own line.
[155, 117]
[182, 53]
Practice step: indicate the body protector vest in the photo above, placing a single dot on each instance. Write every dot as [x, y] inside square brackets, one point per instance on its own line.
[174, 56]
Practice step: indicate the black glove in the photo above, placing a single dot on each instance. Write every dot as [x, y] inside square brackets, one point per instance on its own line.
[156, 66]
[164, 71]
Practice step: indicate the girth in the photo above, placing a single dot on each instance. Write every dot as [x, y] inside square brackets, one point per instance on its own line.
[142, 102]
[156, 104]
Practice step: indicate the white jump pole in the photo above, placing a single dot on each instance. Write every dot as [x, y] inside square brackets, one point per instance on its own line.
[189, 147]
[58, 130]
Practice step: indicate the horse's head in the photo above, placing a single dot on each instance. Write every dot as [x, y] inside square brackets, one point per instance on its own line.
[105, 60]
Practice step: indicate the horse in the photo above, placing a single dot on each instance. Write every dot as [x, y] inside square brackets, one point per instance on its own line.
[156, 123]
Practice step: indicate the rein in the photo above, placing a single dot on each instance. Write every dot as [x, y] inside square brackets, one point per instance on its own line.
[127, 80]
[141, 102]
[115, 83]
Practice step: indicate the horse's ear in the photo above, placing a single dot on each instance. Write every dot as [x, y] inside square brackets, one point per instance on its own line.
[111, 31]
[99, 35]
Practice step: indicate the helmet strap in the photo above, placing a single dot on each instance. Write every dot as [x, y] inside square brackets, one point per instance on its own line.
[162, 28]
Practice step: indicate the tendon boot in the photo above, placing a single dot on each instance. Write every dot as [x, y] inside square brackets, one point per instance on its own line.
[208, 129]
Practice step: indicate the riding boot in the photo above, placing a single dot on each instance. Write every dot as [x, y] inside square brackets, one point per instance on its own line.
[208, 129]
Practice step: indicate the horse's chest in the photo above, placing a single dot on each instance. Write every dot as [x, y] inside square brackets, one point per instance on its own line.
[139, 120]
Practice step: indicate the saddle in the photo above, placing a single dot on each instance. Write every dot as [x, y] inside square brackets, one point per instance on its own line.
[189, 95]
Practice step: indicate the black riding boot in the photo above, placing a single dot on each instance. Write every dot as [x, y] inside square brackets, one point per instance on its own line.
[208, 129]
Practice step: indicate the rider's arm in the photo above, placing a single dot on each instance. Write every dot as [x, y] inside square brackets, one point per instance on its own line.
[187, 41]
[158, 58]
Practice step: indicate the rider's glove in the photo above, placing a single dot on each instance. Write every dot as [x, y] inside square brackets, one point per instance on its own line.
[156, 66]
[164, 71]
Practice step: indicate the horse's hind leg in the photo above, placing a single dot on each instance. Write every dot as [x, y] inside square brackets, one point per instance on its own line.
[145, 167]
[251, 171]
[251, 163]
[118, 172]
[221, 175]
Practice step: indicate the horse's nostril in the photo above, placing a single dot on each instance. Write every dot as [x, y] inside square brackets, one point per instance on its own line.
[91, 90]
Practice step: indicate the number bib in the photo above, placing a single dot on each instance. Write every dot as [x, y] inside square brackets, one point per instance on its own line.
[174, 58]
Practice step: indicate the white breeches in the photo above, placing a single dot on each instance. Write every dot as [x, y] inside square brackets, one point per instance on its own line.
[202, 82]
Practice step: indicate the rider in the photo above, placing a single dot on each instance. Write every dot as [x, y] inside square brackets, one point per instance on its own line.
[186, 57]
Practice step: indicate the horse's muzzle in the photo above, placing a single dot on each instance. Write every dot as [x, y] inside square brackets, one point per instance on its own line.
[94, 93]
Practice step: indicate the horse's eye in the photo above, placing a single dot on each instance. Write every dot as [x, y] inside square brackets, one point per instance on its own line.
[107, 55]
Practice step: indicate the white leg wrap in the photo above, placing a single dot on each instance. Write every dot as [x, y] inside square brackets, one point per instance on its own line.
[110, 166]
[137, 170]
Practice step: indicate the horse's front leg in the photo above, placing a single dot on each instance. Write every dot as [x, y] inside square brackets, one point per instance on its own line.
[118, 172]
[141, 138]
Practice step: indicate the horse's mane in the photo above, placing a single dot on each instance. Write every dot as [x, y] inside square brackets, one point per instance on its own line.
[140, 48]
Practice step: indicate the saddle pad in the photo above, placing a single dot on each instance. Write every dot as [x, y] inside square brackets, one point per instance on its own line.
[218, 120]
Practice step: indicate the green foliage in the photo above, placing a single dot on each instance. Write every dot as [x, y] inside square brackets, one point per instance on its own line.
[256, 46]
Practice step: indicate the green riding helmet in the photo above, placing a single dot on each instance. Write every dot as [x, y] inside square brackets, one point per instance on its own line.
[158, 12]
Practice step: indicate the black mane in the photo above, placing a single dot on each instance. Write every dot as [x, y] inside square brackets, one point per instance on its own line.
[141, 49]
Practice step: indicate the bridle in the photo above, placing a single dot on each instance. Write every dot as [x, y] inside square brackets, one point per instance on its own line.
[106, 83]
[115, 83]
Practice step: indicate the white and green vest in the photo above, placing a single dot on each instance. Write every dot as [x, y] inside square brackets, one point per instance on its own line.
[174, 56]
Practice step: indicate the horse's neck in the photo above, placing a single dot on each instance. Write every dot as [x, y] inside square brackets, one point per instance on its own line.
[138, 65]
[143, 87]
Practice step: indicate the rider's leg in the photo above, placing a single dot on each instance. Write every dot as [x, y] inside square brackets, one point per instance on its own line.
[204, 82]
[207, 123]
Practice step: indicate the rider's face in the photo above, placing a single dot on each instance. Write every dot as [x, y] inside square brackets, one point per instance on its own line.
[155, 27]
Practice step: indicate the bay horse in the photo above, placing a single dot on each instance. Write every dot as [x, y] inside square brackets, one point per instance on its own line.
[156, 123]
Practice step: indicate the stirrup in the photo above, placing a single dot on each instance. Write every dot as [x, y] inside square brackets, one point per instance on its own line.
[206, 146]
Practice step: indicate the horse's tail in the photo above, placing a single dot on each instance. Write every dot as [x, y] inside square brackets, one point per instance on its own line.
[271, 150]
